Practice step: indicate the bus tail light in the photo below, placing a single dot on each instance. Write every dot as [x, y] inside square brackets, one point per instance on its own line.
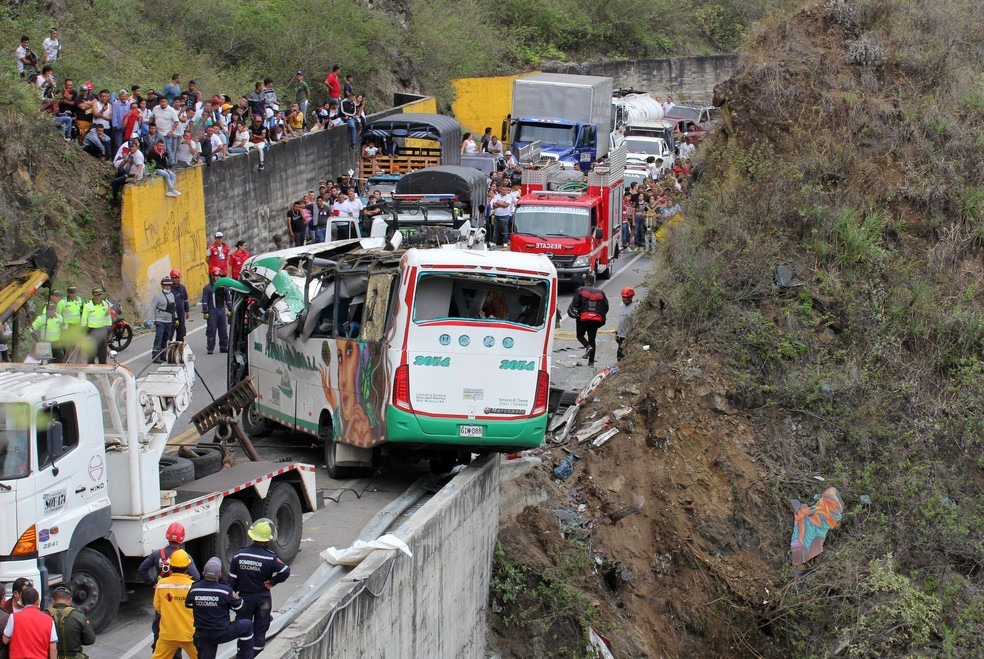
[542, 394]
[401, 388]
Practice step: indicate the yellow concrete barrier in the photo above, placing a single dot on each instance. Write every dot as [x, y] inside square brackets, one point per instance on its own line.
[161, 233]
[481, 102]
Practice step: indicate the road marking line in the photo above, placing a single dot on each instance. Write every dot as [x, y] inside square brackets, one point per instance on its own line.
[140, 646]
[147, 353]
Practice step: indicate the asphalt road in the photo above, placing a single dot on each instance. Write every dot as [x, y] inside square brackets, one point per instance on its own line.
[349, 504]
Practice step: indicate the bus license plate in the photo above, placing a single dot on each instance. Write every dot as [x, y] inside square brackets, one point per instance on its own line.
[470, 431]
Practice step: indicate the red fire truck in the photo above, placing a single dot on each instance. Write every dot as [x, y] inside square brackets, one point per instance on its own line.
[573, 220]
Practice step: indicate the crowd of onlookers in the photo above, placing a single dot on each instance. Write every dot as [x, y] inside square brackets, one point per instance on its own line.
[649, 205]
[180, 126]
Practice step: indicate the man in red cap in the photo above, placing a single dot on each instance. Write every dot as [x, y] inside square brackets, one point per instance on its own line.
[216, 308]
[625, 322]
[217, 255]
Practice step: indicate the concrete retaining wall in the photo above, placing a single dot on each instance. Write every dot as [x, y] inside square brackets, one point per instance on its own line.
[248, 204]
[233, 196]
[684, 78]
[431, 605]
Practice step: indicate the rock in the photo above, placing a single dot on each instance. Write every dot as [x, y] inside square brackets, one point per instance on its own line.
[717, 403]
[786, 278]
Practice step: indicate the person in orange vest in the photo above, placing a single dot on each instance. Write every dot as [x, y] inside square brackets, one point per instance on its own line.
[30, 633]
[177, 620]
[217, 255]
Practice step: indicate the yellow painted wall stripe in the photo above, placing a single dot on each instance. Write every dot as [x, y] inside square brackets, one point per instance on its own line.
[161, 233]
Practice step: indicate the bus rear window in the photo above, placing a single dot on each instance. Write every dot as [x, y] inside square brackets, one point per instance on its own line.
[461, 296]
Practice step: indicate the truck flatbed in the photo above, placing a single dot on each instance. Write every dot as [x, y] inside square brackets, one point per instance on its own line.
[239, 477]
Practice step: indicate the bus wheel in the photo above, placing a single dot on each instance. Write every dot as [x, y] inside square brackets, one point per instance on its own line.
[96, 589]
[327, 433]
[254, 424]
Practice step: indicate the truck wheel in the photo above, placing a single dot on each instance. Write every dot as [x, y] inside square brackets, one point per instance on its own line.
[234, 521]
[607, 272]
[175, 471]
[95, 587]
[207, 460]
[254, 424]
[283, 506]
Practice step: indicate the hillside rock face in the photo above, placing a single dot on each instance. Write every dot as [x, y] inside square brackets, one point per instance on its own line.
[849, 158]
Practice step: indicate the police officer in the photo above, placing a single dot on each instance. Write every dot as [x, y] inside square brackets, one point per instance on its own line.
[177, 621]
[96, 320]
[211, 601]
[180, 306]
[73, 628]
[48, 328]
[255, 570]
[158, 565]
[215, 311]
[70, 309]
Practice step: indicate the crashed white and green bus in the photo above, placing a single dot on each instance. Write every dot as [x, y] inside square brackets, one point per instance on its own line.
[436, 352]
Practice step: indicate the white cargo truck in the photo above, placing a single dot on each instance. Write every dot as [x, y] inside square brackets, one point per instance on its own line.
[81, 497]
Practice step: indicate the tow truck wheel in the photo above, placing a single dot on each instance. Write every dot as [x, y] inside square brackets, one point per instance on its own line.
[283, 506]
[254, 424]
[234, 521]
[95, 587]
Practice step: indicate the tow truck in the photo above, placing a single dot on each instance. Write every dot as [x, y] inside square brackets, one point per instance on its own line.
[575, 222]
[86, 490]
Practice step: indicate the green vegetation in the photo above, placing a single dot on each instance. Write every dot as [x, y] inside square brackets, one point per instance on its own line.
[548, 603]
[416, 45]
[853, 155]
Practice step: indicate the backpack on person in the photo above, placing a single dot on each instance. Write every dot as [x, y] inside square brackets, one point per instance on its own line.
[60, 616]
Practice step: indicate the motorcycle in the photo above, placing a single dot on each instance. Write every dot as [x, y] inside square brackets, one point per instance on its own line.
[121, 333]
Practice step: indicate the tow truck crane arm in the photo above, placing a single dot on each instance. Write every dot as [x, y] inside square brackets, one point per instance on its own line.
[21, 279]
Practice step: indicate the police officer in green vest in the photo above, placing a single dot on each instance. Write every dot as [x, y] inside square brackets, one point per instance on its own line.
[96, 320]
[48, 328]
[70, 309]
[73, 628]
